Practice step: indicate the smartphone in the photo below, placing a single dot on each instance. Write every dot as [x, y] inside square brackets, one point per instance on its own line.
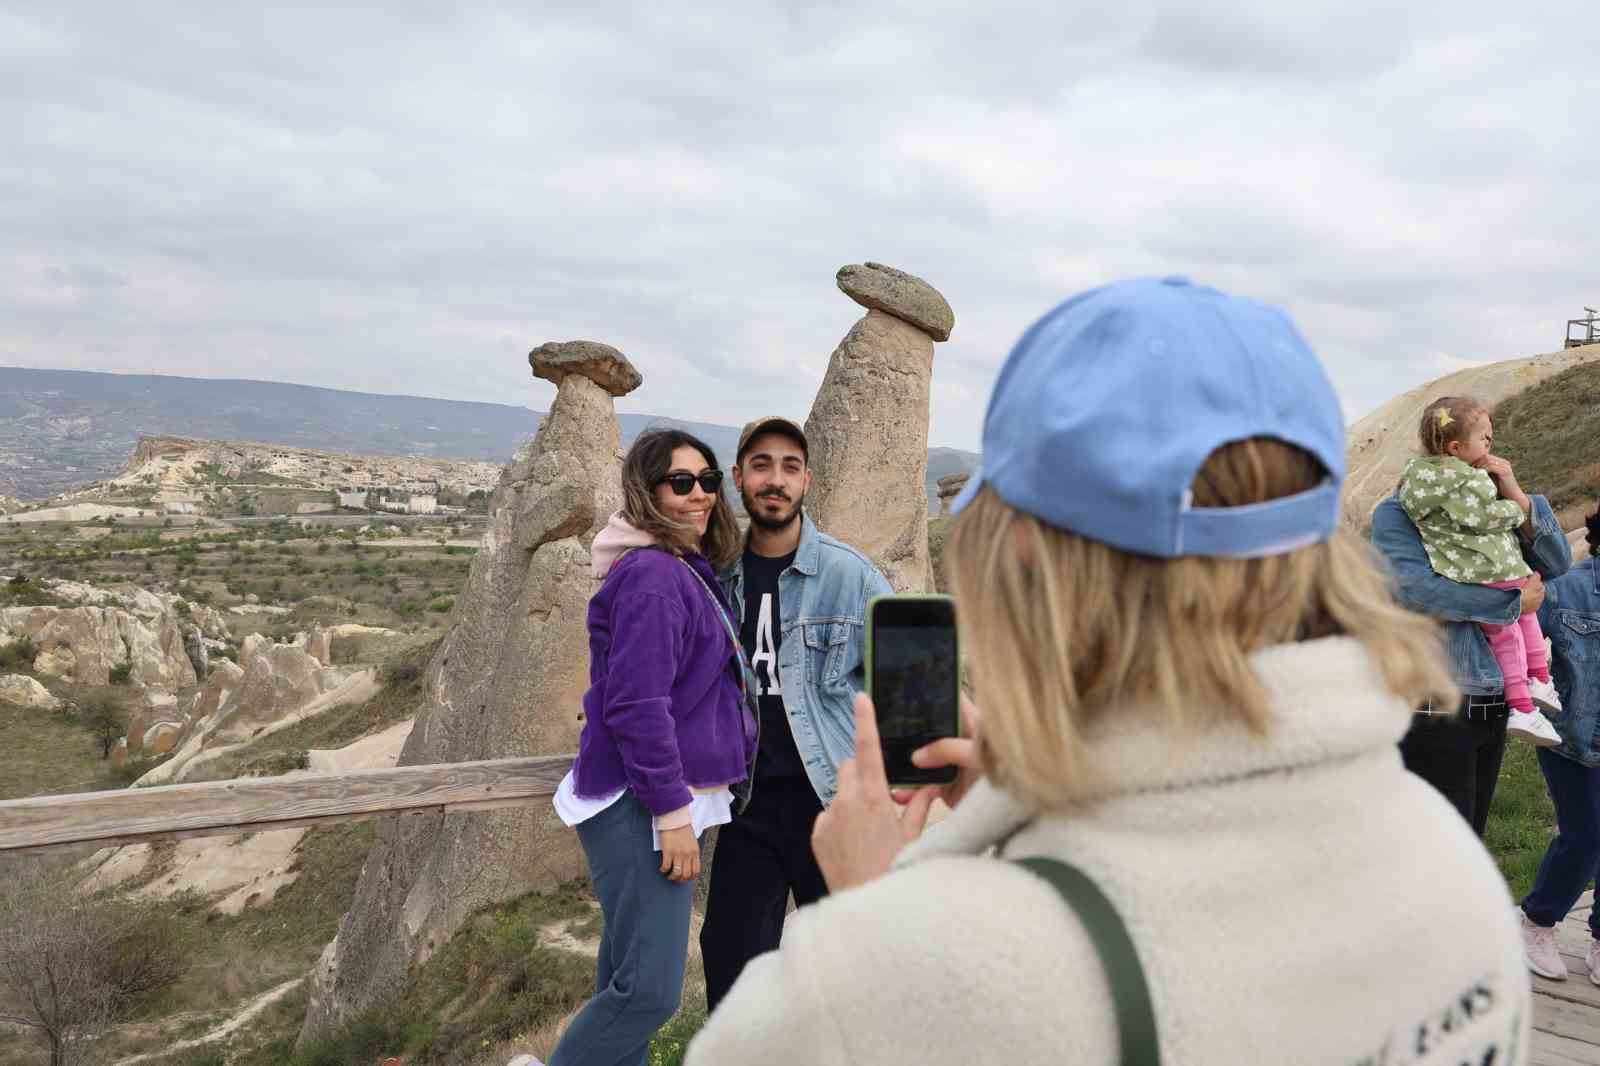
[914, 679]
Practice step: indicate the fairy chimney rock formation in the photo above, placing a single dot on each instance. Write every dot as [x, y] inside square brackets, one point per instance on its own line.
[600, 363]
[950, 487]
[508, 680]
[905, 296]
[868, 427]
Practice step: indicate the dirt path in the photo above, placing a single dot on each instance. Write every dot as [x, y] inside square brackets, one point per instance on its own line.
[248, 1014]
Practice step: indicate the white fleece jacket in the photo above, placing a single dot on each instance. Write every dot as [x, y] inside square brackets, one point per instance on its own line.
[1295, 899]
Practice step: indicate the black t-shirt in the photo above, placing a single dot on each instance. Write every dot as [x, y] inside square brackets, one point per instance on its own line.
[762, 635]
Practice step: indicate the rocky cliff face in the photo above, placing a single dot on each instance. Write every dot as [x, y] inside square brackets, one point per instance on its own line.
[82, 645]
[1382, 442]
[868, 427]
[98, 629]
[507, 680]
[272, 686]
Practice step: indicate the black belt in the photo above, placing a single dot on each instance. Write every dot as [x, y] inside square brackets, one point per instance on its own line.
[1481, 708]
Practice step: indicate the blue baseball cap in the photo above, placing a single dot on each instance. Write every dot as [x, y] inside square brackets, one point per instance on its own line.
[1108, 406]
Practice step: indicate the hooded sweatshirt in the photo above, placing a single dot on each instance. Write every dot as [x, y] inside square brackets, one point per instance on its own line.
[664, 712]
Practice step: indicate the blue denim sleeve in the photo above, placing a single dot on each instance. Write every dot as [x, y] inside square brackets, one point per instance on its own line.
[1548, 552]
[1547, 609]
[874, 585]
[1421, 589]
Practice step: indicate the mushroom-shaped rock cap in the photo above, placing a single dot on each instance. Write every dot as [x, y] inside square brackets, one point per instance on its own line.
[600, 363]
[952, 484]
[903, 295]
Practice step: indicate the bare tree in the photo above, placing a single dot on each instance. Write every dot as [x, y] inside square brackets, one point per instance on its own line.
[105, 718]
[71, 964]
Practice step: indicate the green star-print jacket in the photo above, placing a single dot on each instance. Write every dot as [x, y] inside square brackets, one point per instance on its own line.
[1468, 529]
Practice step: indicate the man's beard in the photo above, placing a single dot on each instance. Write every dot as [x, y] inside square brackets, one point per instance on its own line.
[759, 519]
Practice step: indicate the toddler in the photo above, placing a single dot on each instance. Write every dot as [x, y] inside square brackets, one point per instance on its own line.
[1467, 506]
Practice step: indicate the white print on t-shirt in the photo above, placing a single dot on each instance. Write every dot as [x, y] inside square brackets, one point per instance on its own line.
[764, 661]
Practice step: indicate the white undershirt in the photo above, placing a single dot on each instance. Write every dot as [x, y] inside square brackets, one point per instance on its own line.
[706, 809]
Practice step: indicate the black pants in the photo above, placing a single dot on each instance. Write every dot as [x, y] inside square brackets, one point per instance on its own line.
[1460, 755]
[761, 856]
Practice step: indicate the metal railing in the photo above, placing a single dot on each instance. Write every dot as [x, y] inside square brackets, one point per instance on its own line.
[1588, 329]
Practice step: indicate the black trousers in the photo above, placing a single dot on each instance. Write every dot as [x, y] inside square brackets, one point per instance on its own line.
[761, 856]
[1460, 755]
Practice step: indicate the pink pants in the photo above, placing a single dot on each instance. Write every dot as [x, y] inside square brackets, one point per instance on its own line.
[1519, 649]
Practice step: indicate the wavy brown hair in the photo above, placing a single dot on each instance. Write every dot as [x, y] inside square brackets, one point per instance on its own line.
[1062, 628]
[646, 464]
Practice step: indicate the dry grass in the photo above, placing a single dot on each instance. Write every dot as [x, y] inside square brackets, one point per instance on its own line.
[46, 754]
[1551, 433]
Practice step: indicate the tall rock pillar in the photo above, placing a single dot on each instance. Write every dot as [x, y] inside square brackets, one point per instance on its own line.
[868, 428]
[508, 680]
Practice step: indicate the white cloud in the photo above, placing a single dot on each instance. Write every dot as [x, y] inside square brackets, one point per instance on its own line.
[386, 198]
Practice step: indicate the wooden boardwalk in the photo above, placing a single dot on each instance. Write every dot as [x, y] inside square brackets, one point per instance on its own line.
[1566, 1014]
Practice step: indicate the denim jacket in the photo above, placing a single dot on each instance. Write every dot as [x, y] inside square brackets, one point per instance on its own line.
[823, 598]
[1570, 616]
[1459, 608]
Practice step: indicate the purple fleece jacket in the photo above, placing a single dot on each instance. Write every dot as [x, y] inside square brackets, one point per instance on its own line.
[664, 711]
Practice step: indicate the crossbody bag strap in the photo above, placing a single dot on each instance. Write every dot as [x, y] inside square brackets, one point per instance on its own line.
[727, 623]
[1130, 995]
[743, 791]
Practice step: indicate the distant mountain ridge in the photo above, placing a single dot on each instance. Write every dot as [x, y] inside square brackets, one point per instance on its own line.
[61, 428]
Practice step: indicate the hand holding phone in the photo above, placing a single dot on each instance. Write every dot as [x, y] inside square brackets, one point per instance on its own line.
[914, 678]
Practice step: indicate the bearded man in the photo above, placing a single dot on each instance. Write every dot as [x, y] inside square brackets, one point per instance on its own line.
[802, 598]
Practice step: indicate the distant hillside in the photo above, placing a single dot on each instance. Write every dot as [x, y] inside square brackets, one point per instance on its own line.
[1551, 434]
[61, 428]
[1543, 437]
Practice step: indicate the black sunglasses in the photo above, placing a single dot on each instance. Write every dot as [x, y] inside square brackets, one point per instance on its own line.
[683, 484]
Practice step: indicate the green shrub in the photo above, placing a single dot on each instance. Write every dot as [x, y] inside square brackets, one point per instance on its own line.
[122, 673]
[18, 655]
[276, 764]
[442, 604]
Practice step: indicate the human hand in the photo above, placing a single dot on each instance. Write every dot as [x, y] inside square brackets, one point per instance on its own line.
[1532, 594]
[858, 836]
[680, 854]
[1505, 480]
[960, 752]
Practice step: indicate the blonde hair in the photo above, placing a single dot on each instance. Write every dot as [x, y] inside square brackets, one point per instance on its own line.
[1446, 420]
[1061, 628]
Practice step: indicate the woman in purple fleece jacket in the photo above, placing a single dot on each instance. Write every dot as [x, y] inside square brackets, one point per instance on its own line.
[666, 731]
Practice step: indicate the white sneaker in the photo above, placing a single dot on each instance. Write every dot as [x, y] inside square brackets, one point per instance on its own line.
[1540, 952]
[1593, 959]
[1532, 727]
[1543, 694]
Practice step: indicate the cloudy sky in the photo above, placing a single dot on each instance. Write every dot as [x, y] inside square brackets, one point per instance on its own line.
[406, 197]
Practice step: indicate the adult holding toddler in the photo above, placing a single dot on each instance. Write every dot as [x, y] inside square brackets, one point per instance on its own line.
[1458, 749]
[1466, 504]
[1193, 682]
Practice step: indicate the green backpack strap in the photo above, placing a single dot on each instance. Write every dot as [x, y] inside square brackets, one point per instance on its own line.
[1130, 995]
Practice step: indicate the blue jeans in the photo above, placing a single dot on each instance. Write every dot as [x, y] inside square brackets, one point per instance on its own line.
[643, 947]
[1572, 861]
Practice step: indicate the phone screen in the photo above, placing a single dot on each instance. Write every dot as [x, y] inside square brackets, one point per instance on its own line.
[915, 682]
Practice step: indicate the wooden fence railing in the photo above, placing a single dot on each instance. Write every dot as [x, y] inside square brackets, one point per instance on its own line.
[258, 804]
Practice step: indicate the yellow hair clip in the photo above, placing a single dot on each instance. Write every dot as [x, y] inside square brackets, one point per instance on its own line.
[1442, 416]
